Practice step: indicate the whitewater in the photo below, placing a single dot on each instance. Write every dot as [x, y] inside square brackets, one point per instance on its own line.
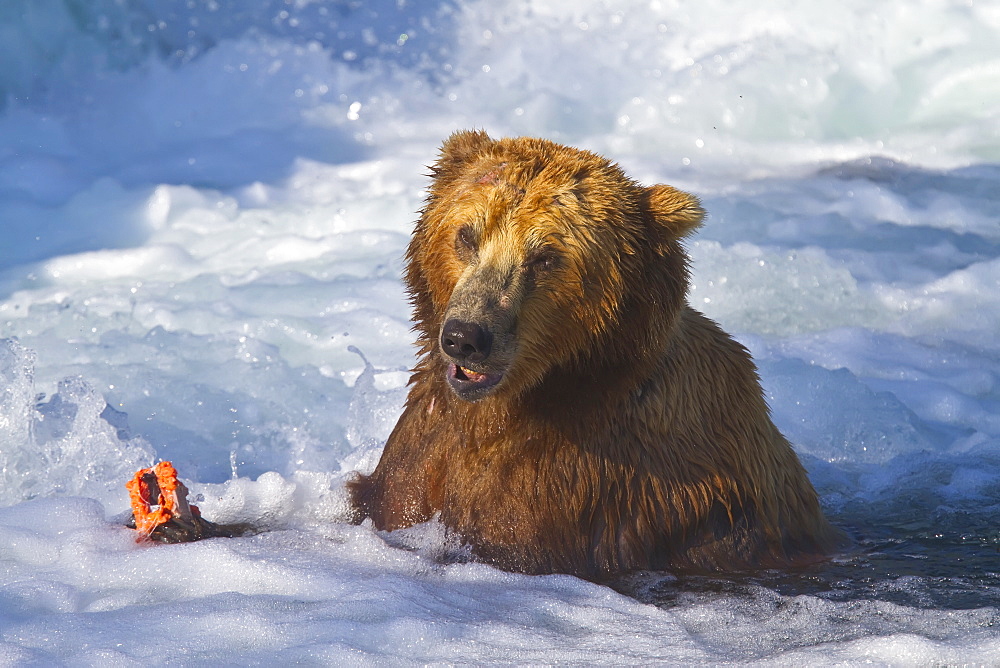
[203, 211]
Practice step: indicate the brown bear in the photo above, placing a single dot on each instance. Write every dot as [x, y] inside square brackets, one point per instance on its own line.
[569, 412]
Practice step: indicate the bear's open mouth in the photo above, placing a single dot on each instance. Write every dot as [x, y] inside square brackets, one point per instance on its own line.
[467, 382]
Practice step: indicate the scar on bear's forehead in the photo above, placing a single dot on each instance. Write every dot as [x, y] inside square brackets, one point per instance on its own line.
[495, 177]
[492, 177]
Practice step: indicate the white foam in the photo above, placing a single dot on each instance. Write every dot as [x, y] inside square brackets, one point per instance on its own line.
[204, 212]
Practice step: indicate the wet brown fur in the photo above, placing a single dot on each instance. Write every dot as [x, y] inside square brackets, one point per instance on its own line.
[629, 431]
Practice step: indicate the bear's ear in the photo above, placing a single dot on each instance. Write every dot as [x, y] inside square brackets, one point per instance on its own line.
[672, 212]
[460, 147]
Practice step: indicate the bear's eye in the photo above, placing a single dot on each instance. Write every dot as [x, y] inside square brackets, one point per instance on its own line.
[465, 241]
[542, 260]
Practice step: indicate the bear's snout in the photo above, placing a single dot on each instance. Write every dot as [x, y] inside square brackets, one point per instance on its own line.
[466, 341]
[469, 343]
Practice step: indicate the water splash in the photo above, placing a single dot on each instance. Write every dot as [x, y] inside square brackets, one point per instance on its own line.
[71, 444]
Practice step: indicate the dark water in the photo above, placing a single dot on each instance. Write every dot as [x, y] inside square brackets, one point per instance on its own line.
[949, 562]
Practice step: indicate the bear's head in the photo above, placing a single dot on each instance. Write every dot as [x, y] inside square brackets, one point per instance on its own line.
[532, 258]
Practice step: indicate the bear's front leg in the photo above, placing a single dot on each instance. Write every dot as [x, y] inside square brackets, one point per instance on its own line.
[406, 487]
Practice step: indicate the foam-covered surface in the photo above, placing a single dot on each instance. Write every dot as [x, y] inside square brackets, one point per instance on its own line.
[203, 212]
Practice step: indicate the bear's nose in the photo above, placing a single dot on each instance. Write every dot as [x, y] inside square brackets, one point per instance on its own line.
[466, 341]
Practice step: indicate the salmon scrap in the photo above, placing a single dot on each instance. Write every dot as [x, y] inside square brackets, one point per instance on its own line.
[160, 510]
[159, 497]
